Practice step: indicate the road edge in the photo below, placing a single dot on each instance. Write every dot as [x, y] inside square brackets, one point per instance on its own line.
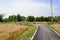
[55, 31]
[34, 33]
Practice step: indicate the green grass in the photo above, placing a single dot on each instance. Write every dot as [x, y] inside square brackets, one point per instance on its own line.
[28, 33]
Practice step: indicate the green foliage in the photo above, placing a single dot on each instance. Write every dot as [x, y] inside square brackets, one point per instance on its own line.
[23, 18]
[1, 18]
[31, 18]
[19, 18]
[38, 19]
[12, 18]
[42, 19]
[49, 18]
[46, 19]
[5, 20]
[28, 33]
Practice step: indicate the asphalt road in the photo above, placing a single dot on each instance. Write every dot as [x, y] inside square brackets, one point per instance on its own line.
[45, 33]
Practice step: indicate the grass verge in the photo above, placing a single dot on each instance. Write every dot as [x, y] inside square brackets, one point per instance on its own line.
[28, 33]
[56, 27]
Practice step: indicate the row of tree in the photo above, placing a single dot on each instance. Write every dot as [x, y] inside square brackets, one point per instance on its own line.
[18, 18]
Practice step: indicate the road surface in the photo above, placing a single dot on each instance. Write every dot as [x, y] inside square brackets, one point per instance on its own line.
[45, 33]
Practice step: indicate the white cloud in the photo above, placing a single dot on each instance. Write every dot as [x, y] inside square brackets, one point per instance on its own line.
[28, 8]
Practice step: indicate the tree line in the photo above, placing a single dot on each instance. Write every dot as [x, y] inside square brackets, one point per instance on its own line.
[19, 18]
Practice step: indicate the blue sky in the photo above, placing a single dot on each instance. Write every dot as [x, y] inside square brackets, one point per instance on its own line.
[29, 7]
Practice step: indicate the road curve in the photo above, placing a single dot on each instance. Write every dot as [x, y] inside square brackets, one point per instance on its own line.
[45, 33]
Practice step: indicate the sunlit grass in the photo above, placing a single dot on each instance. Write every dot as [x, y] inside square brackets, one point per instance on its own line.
[10, 31]
[28, 33]
[16, 31]
[56, 27]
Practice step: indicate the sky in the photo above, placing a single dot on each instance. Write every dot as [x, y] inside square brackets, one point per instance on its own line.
[29, 7]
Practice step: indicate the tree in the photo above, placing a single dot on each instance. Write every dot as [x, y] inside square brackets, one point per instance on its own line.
[42, 18]
[19, 18]
[46, 19]
[15, 18]
[12, 18]
[1, 18]
[38, 19]
[31, 18]
[58, 18]
[23, 18]
[6, 20]
[49, 18]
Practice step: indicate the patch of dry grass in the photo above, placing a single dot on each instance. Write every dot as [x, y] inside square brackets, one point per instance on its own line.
[9, 31]
[28, 33]
[56, 27]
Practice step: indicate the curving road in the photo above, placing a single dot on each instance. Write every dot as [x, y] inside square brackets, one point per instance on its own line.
[45, 33]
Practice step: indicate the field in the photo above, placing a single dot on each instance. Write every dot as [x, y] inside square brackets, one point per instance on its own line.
[56, 27]
[9, 31]
[16, 31]
[27, 34]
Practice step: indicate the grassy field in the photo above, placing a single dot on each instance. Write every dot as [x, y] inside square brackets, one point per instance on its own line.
[16, 31]
[27, 34]
[56, 27]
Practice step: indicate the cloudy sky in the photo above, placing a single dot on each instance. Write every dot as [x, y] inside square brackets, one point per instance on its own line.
[29, 7]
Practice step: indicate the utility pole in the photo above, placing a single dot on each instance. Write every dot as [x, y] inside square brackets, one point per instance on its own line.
[51, 10]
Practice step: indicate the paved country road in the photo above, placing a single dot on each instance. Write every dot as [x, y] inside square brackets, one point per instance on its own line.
[45, 33]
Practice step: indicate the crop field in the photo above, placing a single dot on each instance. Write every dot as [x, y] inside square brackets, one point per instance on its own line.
[8, 31]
